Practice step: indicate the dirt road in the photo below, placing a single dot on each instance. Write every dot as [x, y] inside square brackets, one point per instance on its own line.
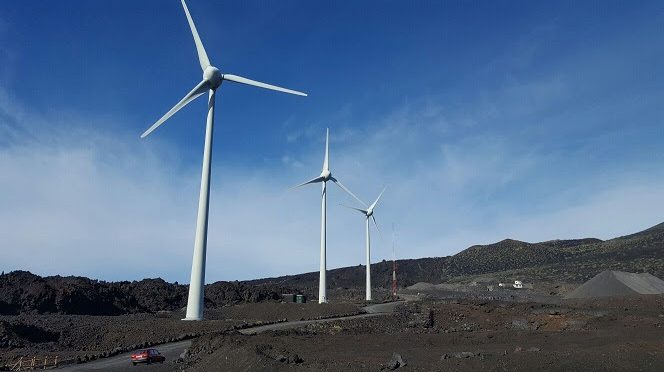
[299, 323]
[122, 362]
[385, 308]
[172, 351]
[371, 310]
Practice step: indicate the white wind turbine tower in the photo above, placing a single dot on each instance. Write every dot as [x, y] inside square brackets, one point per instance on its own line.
[325, 175]
[369, 213]
[212, 79]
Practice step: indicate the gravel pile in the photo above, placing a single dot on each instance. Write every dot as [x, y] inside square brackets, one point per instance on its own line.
[618, 283]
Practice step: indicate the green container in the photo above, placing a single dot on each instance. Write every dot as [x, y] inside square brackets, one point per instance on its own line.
[300, 299]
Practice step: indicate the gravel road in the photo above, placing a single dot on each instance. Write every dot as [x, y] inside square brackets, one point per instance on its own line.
[371, 310]
[173, 350]
[121, 362]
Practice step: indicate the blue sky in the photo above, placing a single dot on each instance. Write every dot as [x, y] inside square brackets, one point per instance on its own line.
[486, 120]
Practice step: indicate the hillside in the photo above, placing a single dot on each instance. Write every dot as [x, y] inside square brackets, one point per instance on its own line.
[574, 260]
[24, 292]
[511, 254]
[571, 261]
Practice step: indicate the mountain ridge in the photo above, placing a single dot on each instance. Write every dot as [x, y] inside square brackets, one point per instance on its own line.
[510, 257]
[569, 261]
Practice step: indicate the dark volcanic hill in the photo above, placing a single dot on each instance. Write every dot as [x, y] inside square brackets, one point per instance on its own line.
[573, 260]
[511, 254]
[556, 260]
[24, 292]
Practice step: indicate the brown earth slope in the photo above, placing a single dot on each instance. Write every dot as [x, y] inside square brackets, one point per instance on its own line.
[575, 260]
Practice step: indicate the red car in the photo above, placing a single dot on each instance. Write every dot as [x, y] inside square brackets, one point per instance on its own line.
[146, 356]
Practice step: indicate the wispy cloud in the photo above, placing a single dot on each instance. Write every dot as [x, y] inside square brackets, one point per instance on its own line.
[105, 205]
[341, 118]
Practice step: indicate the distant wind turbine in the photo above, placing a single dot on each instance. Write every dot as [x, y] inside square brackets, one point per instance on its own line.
[325, 176]
[212, 79]
[369, 213]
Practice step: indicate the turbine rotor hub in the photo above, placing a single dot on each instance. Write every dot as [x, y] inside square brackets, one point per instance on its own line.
[213, 76]
[326, 175]
[369, 212]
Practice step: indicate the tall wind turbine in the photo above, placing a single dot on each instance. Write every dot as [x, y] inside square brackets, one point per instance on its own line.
[369, 213]
[325, 175]
[212, 79]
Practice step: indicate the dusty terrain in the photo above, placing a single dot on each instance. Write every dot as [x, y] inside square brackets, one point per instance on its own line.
[79, 338]
[624, 334]
[475, 331]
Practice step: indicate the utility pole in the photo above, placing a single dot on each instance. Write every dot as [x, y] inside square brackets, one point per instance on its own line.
[394, 268]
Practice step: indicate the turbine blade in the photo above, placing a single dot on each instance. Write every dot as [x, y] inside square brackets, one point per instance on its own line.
[346, 190]
[326, 161]
[199, 89]
[357, 209]
[375, 223]
[243, 80]
[313, 180]
[202, 56]
[377, 199]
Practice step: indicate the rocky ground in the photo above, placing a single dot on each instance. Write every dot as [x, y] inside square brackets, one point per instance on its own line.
[83, 337]
[436, 331]
[22, 292]
[623, 334]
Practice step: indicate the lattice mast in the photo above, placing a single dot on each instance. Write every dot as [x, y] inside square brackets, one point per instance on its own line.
[394, 267]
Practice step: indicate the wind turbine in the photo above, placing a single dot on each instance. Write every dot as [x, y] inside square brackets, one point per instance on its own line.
[369, 213]
[325, 175]
[212, 79]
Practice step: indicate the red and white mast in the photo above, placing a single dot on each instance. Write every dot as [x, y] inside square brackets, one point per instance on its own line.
[394, 268]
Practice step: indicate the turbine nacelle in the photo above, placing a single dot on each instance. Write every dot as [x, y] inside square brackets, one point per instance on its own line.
[212, 79]
[325, 175]
[369, 211]
[212, 75]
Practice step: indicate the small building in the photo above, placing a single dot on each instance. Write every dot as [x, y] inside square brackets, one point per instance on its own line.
[301, 299]
[518, 284]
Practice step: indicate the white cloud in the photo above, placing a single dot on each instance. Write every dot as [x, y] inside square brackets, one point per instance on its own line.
[290, 161]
